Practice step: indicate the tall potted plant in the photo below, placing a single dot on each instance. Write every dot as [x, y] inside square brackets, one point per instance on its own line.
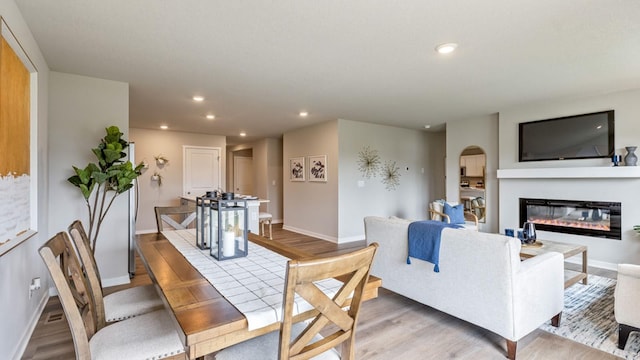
[101, 183]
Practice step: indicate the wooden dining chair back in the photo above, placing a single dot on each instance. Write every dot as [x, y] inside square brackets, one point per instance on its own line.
[118, 305]
[337, 314]
[148, 336]
[178, 217]
[351, 268]
[73, 289]
[90, 268]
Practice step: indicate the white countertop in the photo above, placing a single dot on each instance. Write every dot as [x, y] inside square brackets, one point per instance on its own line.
[250, 199]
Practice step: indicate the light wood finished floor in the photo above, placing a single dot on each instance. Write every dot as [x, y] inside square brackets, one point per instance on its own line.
[390, 327]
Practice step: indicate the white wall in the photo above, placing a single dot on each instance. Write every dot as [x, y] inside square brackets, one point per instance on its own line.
[267, 164]
[482, 132]
[311, 207]
[602, 252]
[19, 314]
[150, 143]
[407, 148]
[436, 143]
[80, 108]
[335, 210]
[267, 172]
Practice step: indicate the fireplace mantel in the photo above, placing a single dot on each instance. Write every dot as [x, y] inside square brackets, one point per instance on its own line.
[595, 172]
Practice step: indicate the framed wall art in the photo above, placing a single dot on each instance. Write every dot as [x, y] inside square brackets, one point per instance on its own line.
[296, 169]
[318, 168]
[18, 190]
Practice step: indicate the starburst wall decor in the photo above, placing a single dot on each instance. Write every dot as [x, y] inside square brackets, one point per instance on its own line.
[390, 175]
[368, 162]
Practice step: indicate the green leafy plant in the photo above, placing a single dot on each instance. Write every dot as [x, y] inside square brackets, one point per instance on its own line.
[636, 228]
[101, 183]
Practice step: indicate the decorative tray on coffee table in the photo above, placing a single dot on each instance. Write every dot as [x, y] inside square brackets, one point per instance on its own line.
[536, 244]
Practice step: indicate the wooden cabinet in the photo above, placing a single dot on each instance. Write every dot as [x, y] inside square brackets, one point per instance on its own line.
[474, 165]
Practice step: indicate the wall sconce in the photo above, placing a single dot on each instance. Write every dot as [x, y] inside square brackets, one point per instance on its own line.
[157, 177]
[161, 160]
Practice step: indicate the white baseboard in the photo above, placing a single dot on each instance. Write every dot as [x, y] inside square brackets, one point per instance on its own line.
[594, 263]
[311, 233]
[333, 239]
[149, 231]
[349, 239]
[24, 340]
[120, 280]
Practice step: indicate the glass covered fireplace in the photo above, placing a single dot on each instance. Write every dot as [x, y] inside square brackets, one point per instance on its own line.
[589, 218]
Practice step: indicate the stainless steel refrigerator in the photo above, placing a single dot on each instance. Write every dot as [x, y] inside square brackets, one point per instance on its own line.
[133, 214]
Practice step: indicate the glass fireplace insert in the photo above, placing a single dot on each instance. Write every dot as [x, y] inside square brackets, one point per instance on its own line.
[588, 218]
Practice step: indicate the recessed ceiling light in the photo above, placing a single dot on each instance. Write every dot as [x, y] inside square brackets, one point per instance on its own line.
[427, 126]
[303, 114]
[446, 48]
[211, 116]
[243, 134]
[599, 127]
[198, 98]
[164, 127]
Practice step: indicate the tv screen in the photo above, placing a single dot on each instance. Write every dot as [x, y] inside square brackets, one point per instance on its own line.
[584, 136]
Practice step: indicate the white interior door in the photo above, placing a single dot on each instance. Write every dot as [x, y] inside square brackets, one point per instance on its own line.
[243, 175]
[201, 172]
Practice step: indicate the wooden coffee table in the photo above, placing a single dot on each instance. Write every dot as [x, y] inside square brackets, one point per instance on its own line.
[568, 250]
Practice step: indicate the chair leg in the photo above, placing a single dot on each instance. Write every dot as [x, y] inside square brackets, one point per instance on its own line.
[623, 334]
[511, 349]
[270, 230]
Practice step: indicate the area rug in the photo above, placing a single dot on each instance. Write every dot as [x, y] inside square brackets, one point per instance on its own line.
[588, 318]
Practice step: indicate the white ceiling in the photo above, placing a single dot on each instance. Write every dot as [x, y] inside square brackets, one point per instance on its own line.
[258, 63]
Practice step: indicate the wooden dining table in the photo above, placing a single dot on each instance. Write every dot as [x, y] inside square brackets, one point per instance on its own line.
[205, 320]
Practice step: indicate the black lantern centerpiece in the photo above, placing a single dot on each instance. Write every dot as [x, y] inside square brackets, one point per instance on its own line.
[204, 220]
[229, 223]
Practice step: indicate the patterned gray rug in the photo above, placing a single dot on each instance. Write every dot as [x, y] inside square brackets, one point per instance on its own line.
[588, 318]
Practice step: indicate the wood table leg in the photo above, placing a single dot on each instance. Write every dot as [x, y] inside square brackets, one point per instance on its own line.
[584, 266]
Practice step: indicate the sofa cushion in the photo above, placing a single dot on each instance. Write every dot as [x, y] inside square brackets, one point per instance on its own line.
[455, 212]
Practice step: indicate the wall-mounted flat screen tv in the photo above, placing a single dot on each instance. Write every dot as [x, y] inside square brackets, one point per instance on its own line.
[585, 136]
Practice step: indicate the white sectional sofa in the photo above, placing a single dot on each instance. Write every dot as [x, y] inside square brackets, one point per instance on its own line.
[481, 278]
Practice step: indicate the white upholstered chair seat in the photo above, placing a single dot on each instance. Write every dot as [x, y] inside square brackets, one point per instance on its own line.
[131, 302]
[149, 336]
[121, 304]
[626, 301]
[266, 347]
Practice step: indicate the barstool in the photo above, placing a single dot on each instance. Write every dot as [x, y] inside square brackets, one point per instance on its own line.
[263, 218]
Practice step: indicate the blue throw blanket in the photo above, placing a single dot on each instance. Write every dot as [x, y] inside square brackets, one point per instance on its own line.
[424, 240]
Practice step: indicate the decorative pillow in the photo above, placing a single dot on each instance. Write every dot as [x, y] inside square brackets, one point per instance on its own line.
[455, 212]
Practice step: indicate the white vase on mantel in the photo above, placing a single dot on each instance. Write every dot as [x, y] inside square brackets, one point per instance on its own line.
[630, 159]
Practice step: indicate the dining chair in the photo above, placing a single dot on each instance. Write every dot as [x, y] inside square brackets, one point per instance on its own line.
[265, 218]
[119, 305]
[337, 314]
[178, 217]
[148, 336]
